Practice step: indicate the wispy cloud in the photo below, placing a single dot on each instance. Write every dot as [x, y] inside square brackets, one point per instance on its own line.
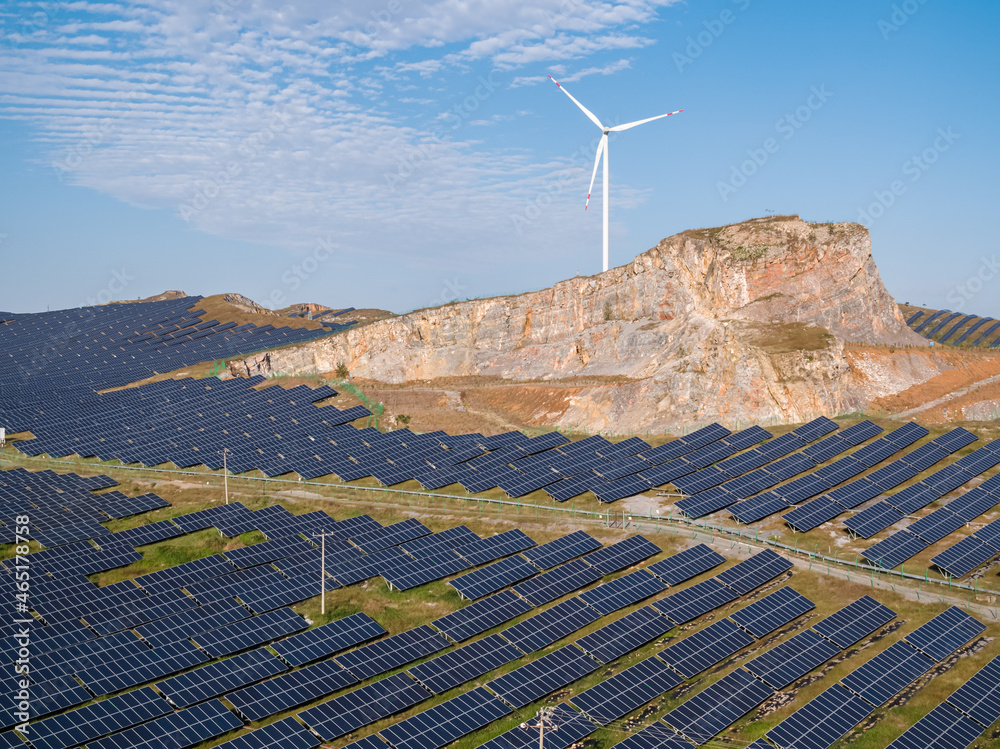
[173, 104]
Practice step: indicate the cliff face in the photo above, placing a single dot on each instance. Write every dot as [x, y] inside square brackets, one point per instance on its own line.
[744, 322]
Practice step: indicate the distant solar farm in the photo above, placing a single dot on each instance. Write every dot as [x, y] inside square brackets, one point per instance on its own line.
[638, 640]
[955, 328]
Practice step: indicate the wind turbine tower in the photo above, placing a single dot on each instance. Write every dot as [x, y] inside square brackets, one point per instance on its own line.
[602, 150]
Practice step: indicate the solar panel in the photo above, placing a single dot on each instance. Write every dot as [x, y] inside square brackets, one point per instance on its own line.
[220, 677]
[979, 697]
[147, 534]
[98, 719]
[368, 742]
[913, 498]
[684, 565]
[191, 623]
[757, 508]
[623, 591]
[290, 690]
[956, 439]
[429, 567]
[816, 428]
[656, 736]
[719, 706]
[370, 541]
[267, 551]
[772, 611]
[622, 554]
[860, 432]
[139, 668]
[450, 670]
[706, 647]
[550, 625]
[813, 514]
[328, 639]
[625, 634]
[972, 504]
[907, 434]
[384, 655]
[557, 582]
[52, 696]
[482, 615]
[494, 547]
[792, 659]
[248, 633]
[493, 577]
[690, 603]
[960, 559]
[893, 551]
[539, 678]
[438, 542]
[570, 728]
[990, 534]
[855, 621]
[873, 519]
[181, 730]
[945, 633]
[753, 572]
[856, 492]
[942, 728]
[351, 711]
[562, 550]
[444, 723]
[706, 502]
[882, 677]
[822, 721]
[285, 734]
[629, 690]
[940, 523]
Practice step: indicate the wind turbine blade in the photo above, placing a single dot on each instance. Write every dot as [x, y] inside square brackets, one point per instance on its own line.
[597, 162]
[585, 110]
[619, 128]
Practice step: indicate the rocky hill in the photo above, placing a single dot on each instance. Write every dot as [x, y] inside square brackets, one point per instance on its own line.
[738, 323]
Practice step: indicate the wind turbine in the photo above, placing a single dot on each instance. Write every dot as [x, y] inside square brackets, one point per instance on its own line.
[603, 149]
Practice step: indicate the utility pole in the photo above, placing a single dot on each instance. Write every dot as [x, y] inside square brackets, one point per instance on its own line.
[322, 572]
[225, 472]
[545, 722]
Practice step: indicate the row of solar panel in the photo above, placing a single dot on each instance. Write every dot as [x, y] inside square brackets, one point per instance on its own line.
[929, 324]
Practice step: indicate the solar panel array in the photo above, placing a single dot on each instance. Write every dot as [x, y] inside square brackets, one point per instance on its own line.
[975, 330]
[827, 718]
[914, 497]
[929, 529]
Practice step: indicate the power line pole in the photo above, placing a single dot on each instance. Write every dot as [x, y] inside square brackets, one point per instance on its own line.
[545, 721]
[225, 472]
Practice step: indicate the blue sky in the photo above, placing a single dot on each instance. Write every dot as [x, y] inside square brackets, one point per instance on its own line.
[403, 153]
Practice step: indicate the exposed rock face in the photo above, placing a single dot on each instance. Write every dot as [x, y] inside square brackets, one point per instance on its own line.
[745, 322]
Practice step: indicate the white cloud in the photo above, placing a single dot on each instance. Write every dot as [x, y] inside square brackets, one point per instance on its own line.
[277, 122]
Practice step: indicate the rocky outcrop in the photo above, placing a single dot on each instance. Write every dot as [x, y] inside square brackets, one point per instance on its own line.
[741, 323]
